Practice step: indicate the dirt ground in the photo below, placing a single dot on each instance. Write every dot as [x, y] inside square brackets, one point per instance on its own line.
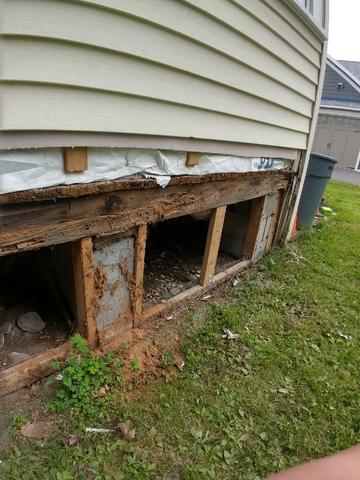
[161, 334]
[24, 288]
[54, 334]
[173, 259]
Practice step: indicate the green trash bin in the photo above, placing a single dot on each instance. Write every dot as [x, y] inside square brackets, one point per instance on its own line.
[317, 176]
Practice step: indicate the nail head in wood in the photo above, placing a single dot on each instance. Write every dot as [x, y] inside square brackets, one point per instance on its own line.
[75, 159]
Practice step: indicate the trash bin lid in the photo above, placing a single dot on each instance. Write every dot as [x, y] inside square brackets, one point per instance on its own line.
[321, 156]
[320, 166]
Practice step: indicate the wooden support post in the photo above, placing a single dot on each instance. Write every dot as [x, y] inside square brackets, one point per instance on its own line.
[212, 244]
[192, 159]
[75, 159]
[274, 220]
[84, 280]
[257, 207]
[140, 247]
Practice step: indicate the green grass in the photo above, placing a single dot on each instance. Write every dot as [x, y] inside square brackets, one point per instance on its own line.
[285, 391]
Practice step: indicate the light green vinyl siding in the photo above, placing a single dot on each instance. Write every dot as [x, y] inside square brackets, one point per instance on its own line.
[225, 70]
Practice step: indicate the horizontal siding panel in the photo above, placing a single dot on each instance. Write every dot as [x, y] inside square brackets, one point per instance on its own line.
[78, 110]
[239, 19]
[263, 13]
[178, 17]
[228, 74]
[80, 23]
[282, 9]
[56, 63]
[242, 71]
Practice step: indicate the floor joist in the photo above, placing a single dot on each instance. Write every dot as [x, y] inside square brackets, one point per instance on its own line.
[28, 226]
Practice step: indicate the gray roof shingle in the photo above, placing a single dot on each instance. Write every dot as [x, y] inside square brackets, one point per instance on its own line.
[353, 67]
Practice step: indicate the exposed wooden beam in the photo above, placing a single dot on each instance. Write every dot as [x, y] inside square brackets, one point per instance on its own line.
[140, 247]
[108, 186]
[274, 220]
[257, 207]
[75, 159]
[192, 159]
[287, 205]
[84, 281]
[213, 239]
[27, 372]
[37, 224]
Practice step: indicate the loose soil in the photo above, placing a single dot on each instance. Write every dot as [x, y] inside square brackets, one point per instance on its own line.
[174, 256]
[23, 288]
[54, 334]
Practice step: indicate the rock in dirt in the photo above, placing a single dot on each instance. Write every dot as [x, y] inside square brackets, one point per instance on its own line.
[179, 362]
[126, 431]
[5, 327]
[16, 357]
[30, 322]
[71, 440]
[175, 291]
[229, 335]
[1, 340]
[38, 430]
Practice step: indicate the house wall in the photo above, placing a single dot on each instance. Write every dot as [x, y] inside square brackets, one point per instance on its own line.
[339, 137]
[330, 91]
[233, 71]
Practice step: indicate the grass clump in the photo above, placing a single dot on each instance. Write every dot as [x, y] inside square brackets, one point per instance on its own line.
[18, 419]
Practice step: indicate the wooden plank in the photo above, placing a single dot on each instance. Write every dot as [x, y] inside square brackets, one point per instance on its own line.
[32, 213]
[274, 220]
[31, 370]
[126, 183]
[286, 212]
[264, 227]
[257, 207]
[75, 159]
[213, 239]
[84, 281]
[192, 159]
[140, 247]
[33, 225]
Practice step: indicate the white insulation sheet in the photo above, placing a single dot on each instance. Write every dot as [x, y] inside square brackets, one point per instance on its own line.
[29, 169]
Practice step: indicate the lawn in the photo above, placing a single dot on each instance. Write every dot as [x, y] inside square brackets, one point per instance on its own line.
[285, 391]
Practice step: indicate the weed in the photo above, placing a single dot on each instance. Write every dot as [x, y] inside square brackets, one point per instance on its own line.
[167, 359]
[83, 376]
[18, 419]
[134, 365]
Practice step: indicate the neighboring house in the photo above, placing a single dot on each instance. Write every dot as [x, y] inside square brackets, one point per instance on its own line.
[338, 127]
[216, 99]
